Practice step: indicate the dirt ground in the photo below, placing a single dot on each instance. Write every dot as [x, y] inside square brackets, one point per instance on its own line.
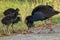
[34, 36]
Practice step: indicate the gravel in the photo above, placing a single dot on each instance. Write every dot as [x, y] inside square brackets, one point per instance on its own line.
[34, 36]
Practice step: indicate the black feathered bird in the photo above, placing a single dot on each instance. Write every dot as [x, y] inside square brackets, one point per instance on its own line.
[6, 20]
[15, 20]
[11, 12]
[29, 21]
[46, 9]
[41, 12]
[11, 17]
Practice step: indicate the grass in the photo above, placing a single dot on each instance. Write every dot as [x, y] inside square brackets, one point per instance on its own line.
[25, 10]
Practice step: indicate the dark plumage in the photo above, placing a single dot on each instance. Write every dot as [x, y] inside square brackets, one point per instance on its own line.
[6, 21]
[29, 21]
[11, 17]
[12, 14]
[11, 11]
[47, 10]
[41, 12]
[16, 20]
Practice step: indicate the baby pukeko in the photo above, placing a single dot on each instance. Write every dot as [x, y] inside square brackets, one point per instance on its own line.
[11, 11]
[11, 17]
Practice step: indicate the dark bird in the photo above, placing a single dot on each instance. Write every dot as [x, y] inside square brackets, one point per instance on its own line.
[6, 20]
[41, 12]
[11, 17]
[11, 11]
[14, 21]
[29, 21]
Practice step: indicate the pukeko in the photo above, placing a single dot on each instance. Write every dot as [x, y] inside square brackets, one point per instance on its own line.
[15, 20]
[41, 12]
[6, 21]
[11, 17]
[11, 12]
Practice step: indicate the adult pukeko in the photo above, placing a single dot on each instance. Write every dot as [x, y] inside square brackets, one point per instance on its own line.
[41, 12]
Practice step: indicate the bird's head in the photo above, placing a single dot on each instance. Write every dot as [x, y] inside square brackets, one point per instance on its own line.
[17, 9]
[28, 21]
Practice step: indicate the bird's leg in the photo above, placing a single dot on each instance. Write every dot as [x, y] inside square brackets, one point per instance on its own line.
[31, 28]
[3, 30]
[42, 26]
[8, 32]
[13, 29]
[50, 25]
[51, 29]
[45, 25]
[40, 29]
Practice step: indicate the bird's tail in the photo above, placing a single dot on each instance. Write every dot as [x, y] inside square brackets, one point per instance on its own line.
[57, 12]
